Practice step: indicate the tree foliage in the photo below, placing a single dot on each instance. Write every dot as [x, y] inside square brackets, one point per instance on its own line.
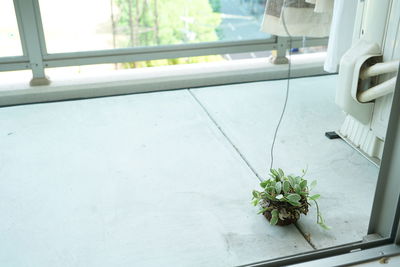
[165, 22]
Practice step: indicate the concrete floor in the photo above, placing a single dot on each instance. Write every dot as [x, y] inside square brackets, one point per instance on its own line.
[165, 179]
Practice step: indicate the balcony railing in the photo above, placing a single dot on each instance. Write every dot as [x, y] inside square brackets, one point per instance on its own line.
[36, 57]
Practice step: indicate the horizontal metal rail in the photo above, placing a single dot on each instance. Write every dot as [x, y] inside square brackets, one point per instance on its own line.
[14, 63]
[380, 245]
[15, 59]
[153, 53]
[14, 66]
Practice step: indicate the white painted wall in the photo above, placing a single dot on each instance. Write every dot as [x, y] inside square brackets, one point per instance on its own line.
[377, 22]
[391, 51]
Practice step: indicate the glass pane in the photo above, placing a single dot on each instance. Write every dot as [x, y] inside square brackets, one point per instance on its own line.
[10, 44]
[138, 23]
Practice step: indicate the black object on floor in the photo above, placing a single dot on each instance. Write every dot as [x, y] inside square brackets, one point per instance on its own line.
[332, 135]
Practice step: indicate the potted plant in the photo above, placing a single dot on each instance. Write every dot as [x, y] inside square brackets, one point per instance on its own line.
[284, 198]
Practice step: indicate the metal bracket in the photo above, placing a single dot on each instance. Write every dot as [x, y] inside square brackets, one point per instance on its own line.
[279, 55]
[40, 81]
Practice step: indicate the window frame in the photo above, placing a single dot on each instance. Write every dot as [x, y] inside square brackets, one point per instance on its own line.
[384, 220]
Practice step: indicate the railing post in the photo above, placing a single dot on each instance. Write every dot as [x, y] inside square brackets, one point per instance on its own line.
[279, 55]
[29, 23]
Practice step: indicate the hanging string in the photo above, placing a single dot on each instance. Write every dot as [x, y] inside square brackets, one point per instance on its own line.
[287, 86]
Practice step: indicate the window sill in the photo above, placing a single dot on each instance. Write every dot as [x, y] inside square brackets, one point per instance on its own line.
[160, 79]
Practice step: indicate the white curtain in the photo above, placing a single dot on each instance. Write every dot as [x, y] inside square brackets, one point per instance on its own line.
[341, 33]
[322, 6]
[310, 18]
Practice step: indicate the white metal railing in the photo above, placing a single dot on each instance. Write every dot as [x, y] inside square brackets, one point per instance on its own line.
[36, 58]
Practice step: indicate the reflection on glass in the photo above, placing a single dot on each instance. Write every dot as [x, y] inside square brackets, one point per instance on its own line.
[105, 24]
[10, 44]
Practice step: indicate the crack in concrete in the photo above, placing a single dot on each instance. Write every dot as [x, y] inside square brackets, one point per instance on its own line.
[225, 135]
[305, 235]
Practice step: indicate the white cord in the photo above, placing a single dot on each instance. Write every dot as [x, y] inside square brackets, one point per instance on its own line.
[287, 85]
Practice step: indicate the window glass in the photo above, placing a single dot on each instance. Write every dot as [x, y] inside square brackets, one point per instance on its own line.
[77, 25]
[10, 44]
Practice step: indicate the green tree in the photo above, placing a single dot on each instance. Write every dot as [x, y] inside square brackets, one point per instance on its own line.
[165, 22]
[216, 5]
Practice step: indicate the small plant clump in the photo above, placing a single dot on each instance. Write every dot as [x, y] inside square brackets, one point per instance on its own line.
[284, 198]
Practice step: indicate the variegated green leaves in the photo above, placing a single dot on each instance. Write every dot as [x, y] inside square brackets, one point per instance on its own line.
[281, 190]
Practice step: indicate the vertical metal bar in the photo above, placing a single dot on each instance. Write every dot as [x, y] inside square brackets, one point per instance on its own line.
[279, 55]
[28, 23]
[282, 46]
[20, 29]
[39, 25]
[385, 212]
